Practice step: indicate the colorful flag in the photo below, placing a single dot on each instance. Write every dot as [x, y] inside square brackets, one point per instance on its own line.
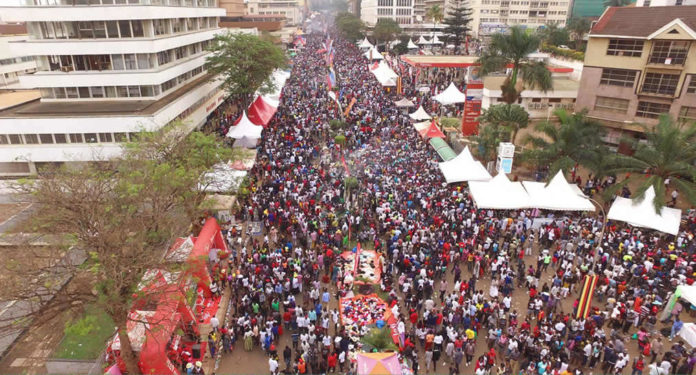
[350, 106]
[586, 293]
[332, 78]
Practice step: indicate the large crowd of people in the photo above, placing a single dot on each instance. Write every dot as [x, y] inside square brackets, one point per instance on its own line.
[485, 292]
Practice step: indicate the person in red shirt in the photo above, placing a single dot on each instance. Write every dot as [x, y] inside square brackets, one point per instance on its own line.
[331, 360]
[413, 317]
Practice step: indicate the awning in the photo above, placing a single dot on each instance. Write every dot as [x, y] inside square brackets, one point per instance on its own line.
[642, 214]
[261, 112]
[463, 168]
[451, 95]
[558, 195]
[499, 193]
[443, 149]
[420, 114]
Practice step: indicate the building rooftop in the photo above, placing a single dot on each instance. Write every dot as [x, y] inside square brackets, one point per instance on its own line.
[559, 84]
[642, 22]
[37, 108]
[442, 61]
[10, 99]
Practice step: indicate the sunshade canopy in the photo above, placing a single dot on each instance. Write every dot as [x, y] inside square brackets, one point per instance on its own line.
[378, 364]
[365, 44]
[411, 45]
[463, 168]
[442, 148]
[432, 131]
[420, 114]
[373, 54]
[384, 74]
[642, 214]
[422, 40]
[436, 40]
[245, 128]
[261, 111]
[558, 195]
[451, 95]
[404, 103]
[499, 193]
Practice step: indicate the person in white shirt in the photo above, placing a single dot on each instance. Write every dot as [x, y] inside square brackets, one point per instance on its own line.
[273, 365]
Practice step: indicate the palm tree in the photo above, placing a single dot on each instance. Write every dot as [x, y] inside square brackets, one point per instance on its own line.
[513, 49]
[576, 140]
[488, 138]
[578, 27]
[509, 117]
[435, 13]
[554, 35]
[379, 339]
[669, 153]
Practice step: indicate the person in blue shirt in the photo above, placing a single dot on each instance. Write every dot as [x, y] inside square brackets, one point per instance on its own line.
[676, 327]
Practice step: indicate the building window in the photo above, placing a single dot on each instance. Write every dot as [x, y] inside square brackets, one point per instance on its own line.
[669, 52]
[91, 138]
[651, 109]
[46, 138]
[31, 139]
[687, 114]
[4, 140]
[105, 138]
[121, 137]
[618, 77]
[625, 47]
[659, 83]
[60, 138]
[692, 85]
[76, 138]
[608, 104]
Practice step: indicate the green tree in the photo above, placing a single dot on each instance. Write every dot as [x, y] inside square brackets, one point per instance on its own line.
[576, 140]
[509, 117]
[457, 21]
[669, 153]
[488, 138]
[578, 27]
[402, 47]
[349, 26]
[125, 213]
[379, 339]
[435, 14]
[386, 30]
[554, 35]
[617, 3]
[245, 63]
[513, 49]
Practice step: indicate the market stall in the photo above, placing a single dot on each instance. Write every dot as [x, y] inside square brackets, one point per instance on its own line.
[360, 311]
[369, 267]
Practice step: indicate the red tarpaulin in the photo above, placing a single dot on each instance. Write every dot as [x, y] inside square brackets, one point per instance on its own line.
[260, 112]
[432, 131]
[209, 238]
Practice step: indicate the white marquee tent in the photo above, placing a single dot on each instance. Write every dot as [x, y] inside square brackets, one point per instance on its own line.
[419, 126]
[278, 77]
[422, 40]
[373, 54]
[499, 193]
[463, 168]
[411, 45]
[642, 214]
[451, 95]
[384, 74]
[558, 195]
[221, 179]
[365, 44]
[245, 128]
[420, 114]
[403, 103]
[436, 40]
[688, 333]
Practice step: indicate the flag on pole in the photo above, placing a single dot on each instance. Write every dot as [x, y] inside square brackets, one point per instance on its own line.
[331, 79]
[586, 293]
[350, 106]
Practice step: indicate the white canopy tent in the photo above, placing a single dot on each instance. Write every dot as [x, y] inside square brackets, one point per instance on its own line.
[499, 193]
[420, 114]
[422, 40]
[373, 54]
[463, 168]
[404, 103]
[451, 95]
[246, 142]
[278, 77]
[245, 128]
[221, 179]
[365, 44]
[419, 126]
[642, 214]
[558, 195]
[385, 75]
[411, 45]
[686, 292]
[688, 333]
[436, 40]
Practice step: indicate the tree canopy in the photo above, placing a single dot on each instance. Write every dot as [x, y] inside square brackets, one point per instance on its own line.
[245, 63]
[510, 118]
[669, 153]
[554, 35]
[349, 26]
[124, 213]
[457, 21]
[578, 27]
[576, 140]
[435, 14]
[386, 30]
[512, 49]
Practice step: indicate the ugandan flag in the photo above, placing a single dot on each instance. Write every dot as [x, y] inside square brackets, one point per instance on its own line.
[585, 301]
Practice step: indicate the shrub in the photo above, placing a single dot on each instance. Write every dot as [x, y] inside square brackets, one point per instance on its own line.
[340, 139]
[569, 53]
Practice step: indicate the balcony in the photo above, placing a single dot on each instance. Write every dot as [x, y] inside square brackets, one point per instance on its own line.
[103, 12]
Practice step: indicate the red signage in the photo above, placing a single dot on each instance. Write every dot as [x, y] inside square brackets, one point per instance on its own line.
[472, 110]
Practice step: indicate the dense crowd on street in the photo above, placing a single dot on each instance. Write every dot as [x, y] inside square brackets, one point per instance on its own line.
[484, 292]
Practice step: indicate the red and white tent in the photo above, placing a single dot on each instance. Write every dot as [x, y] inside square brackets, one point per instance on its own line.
[431, 131]
[261, 111]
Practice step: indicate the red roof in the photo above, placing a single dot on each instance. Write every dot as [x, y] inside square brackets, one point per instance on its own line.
[432, 131]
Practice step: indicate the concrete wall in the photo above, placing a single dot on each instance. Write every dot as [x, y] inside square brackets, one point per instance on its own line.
[68, 366]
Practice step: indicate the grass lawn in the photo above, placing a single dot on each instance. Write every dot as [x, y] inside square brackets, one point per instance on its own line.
[85, 337]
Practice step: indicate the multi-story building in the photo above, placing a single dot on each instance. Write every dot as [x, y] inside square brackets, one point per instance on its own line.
[663, 3]
[291, 9]
[402, 11]
[12, 64]
[233, 8]
[640, 63]
[495, 15]
[106, 70]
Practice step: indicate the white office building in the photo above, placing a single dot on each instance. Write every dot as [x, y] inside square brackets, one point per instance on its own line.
[291, 9]
[493, 16]
[106, 69]
[12, 65]
[664, 3]
[402, 11]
